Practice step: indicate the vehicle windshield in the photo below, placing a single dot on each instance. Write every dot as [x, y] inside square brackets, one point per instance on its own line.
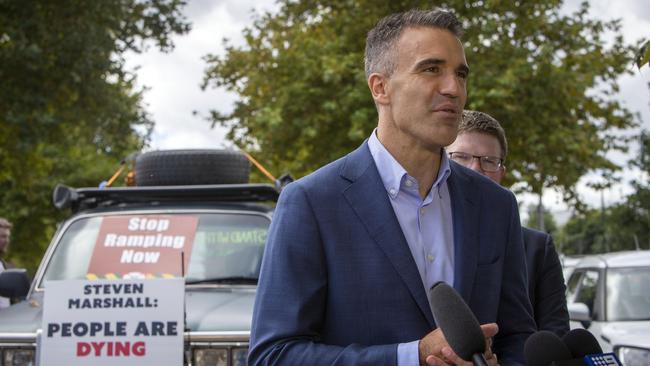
[628, 294]
[206, 247]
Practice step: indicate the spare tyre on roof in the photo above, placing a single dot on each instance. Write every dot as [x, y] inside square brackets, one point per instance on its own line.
[191, 167]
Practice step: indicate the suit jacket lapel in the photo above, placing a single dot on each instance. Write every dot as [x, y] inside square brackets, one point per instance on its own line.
[465, 208]
[368, 198]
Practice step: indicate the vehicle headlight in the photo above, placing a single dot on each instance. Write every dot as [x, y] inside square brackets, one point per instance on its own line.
[632, 356]
[18, 357]
[239, 356]
[210, 356]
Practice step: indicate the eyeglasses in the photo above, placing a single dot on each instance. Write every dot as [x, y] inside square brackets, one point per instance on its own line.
[487, 163]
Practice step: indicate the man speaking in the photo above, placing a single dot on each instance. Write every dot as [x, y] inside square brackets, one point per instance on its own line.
[355, 247]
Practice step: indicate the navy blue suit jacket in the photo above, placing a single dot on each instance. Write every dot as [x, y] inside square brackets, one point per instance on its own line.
[546, 287]
[338, 283]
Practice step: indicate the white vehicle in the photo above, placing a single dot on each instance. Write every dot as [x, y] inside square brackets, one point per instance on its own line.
[568, 265]
[609, 294]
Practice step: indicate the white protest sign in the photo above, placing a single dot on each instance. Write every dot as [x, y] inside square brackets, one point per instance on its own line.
[113, 322]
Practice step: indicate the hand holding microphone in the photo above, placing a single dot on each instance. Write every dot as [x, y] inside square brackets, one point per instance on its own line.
[457, 326]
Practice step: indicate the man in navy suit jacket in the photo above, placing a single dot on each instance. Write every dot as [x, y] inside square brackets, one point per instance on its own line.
[354, 248]
[481, 145]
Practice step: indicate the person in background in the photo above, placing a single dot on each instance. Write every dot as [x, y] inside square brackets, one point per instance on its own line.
[481, 145]
[355, 247]
[5, 237]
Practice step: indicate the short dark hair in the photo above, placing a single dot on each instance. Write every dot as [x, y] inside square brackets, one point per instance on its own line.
[380, 43]
[475, 121]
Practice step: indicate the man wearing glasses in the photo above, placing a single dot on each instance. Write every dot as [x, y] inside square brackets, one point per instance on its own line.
[481, 145]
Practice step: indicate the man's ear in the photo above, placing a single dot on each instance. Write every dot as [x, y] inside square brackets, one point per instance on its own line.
[378, 84]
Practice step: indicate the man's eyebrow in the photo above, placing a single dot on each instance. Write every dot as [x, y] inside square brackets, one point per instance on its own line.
[429, 62]
[438, 61]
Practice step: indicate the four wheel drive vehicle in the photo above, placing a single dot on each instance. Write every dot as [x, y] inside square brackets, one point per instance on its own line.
[609, 294]
[213, 234]
[568, 265]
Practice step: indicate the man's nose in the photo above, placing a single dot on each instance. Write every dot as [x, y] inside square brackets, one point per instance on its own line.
[451, 86]
[475, 165]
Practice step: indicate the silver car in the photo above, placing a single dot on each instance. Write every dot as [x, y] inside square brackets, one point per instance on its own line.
[228, 223]
[609, 294]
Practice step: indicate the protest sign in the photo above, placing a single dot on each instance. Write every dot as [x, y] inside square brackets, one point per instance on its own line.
[113, 322]
[142, 246]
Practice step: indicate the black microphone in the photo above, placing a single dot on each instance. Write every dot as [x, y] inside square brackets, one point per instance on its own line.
[584, 346]
[543, 348]
[458, 324]
[581, 343]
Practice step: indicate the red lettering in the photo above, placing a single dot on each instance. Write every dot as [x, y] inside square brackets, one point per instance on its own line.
[97, 346]
[83, 349]
[139, 348]
[124, 349]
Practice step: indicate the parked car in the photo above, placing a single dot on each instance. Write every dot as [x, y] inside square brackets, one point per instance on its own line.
[609, 294]
[568, 265]
[205, 195]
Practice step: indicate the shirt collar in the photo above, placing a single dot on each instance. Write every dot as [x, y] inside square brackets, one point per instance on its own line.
[392, 173]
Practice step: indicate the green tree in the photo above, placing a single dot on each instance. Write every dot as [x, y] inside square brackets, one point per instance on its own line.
[550, 226]
[643, 54]
[635, 212]
[583, 234]
[304, 100]
[623, 226]
[69, 109]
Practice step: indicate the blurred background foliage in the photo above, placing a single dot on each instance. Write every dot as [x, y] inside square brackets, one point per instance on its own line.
[69, 110]
[545, 76]
[622, 226]
[549, 78]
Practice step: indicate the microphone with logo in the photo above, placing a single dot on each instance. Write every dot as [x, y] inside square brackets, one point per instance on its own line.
[458, 324]
[576, 348]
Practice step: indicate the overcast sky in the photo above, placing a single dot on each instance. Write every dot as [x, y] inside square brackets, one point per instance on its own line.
[174, 78]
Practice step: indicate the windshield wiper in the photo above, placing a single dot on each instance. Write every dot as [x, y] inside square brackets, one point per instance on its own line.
[234, 280]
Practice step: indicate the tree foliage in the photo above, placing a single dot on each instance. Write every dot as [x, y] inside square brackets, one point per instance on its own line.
[550, 226]
[548, 78]
[624, 226]
[69, 109]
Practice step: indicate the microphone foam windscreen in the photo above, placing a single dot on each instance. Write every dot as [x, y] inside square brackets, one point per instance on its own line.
[544, 347]
[458, 323]
[581, 343]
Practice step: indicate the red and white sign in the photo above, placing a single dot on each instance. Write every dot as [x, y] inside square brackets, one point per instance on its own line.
[112, 323]
[143, 245]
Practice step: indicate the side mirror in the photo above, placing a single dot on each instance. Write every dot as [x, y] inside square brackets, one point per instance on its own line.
[14, 283]
[64, 197]
[579, 312]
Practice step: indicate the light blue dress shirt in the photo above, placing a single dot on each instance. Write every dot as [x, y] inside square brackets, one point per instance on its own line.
[426, 224]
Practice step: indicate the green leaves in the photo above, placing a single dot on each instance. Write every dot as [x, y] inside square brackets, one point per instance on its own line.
[622, 226]
[69, 110]
[643, 55]
[548, 78]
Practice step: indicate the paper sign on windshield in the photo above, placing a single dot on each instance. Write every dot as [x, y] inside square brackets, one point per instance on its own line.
[140, 246]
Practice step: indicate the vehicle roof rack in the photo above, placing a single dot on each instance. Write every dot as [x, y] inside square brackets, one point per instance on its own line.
[85, 198]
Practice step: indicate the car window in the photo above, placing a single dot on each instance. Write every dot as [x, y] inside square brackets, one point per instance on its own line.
[628, 294]
[214, 245]
[588, 288]
[572, 285]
